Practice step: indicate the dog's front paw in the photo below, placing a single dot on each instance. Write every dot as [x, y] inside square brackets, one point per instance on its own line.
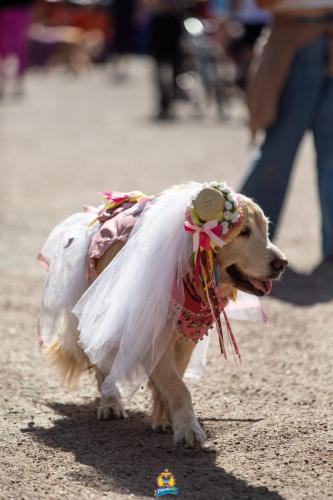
[188, 431]
[110, 408]
[190, 436]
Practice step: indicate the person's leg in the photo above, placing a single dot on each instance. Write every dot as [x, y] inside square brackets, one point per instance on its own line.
[164, 79]
[2, 23]
[322, 131]
[270, 169]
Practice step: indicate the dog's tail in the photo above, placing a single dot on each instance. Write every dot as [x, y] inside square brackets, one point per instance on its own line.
[67, 356]
[70, 365]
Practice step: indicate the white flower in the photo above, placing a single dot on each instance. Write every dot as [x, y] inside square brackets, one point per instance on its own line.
[228, 205]
[214, 184]
[224, 188]
[227, 215]
[225, 227]
[231, 197]
[235, 216]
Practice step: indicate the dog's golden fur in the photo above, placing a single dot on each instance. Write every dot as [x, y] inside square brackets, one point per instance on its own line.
[69, 365]
[253, 254]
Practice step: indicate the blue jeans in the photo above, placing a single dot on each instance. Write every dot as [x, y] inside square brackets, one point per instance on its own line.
[306, 103]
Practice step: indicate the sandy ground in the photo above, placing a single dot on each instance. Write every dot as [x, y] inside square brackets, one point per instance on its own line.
[267, 423]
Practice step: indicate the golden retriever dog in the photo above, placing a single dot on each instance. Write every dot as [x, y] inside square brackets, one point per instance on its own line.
[248, 263]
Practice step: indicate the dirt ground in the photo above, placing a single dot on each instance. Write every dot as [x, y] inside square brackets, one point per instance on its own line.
[268, 423]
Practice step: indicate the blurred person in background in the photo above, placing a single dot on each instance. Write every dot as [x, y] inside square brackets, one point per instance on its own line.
[15, 18]
[164, 47]
[290, 92]
[123, 12]
[252, 20]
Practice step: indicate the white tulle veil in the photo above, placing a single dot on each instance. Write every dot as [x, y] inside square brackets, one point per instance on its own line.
[64, 254]
[127, 316]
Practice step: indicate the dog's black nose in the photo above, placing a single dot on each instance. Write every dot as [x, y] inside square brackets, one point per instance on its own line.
[279, 264]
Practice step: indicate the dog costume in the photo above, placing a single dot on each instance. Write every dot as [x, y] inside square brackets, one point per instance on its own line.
[127, 315]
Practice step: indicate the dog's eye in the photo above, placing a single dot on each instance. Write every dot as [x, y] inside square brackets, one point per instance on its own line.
[245, 232]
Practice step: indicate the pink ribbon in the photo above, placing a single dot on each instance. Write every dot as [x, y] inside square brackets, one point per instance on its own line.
[203, 235]
[114, 196]
[117, 197]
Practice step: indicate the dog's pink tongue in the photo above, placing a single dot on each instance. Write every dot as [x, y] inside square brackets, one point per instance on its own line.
[263, 286]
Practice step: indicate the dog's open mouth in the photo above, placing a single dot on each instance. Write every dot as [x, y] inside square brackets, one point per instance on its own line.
[248, 284]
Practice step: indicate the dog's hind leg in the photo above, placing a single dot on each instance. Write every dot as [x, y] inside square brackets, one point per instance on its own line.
[160, 416]
[169, 382]
[109, 407]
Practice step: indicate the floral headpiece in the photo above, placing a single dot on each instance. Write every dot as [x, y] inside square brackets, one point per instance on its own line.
[215, 217]
[217, 203]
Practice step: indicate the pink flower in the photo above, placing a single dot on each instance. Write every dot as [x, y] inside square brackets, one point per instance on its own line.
[114, 196]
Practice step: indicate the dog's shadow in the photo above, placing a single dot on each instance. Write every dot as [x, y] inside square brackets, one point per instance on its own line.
[306, 289]
[126, 456]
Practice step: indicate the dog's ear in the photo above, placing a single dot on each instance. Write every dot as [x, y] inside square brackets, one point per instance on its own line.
[208, 203]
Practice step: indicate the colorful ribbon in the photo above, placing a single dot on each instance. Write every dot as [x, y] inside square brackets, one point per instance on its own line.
[216, 304]
[205, 236]
[114, 198]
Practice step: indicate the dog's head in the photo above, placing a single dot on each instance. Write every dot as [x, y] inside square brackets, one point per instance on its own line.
[250, 261]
